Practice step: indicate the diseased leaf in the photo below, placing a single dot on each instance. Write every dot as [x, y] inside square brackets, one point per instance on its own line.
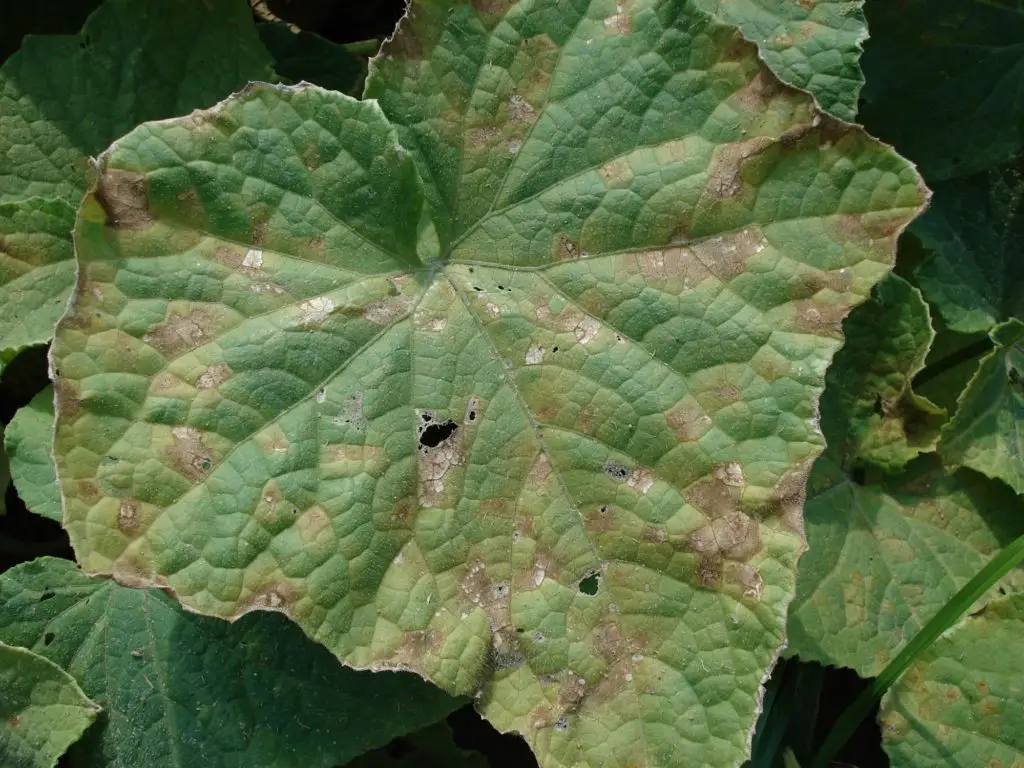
[813, 44]
[951, 364]
[879, 420]
[544, 443]
[65, 98]
[37, 271]
[184, 690]
[884, 558]
[42, 710]
[975, 226]
[945, 82]
[987, 431]
[306, 56]
[28, 442]
[960, 701]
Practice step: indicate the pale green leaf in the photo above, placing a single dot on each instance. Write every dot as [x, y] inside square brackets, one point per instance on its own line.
[884, 558]
[65, 98]
[28, 442]
[42, 710]
[945, 82]
[880, 421]
[305, 56]
[813, 44]
[960, 703]
[37, 271]
[987, 431]
[546, 443]
[975, 226]
[181, 690]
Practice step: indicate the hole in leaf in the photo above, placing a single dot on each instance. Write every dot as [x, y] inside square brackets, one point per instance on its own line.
[425, 416]
[47, 595]
[48, 638]
[588, 586]
[472, 415]
[616, 470]
[554, 349]
[435, 434]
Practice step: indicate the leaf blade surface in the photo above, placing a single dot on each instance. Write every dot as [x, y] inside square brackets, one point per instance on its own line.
[453, 443]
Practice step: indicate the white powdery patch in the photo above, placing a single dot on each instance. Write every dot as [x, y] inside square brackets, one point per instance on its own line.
[316, 310]
[534, 355]
[587, 330]
[253, 258]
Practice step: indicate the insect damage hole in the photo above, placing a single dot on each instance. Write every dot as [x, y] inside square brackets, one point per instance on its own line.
[434, 434]
[589, 584]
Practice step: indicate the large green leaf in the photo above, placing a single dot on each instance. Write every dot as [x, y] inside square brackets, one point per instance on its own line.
[546, 443]
[945, 82]
[65, 98]
[879, 420]
[976, 229]
[960, 702]
[36, 271]
[987, 431]
[184, 690]
[884, 558]
[28, 443]
[42, 710]
[813, 44]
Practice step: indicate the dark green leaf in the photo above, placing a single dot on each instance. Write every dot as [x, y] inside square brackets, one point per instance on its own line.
[180, 690]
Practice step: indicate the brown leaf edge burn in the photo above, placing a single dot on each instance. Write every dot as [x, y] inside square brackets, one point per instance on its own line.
[861, 39]
[130, 214]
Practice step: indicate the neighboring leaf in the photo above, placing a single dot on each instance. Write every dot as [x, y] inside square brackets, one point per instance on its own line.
[28, 442]
[184, 690]
[546, 444]
[65, 98]
[42, 710]
[883, 559]
[37, 271]
[432, 746]
[306, 56]
[5, 475]
[945, 82]
[960, 702]
[813, 44]
[952, 362]
[975, 226]
[987, 431]
[880, 421]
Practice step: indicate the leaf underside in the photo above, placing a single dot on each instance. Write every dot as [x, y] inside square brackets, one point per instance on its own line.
[519, 394]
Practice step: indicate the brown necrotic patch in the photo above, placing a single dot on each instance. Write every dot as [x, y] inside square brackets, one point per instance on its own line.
[188, 455]
[180, 332]
[123, 197]
[713, 495]
[440, 449]
[725, 174]
[129, 516]
[735, 536]
[214, 376]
